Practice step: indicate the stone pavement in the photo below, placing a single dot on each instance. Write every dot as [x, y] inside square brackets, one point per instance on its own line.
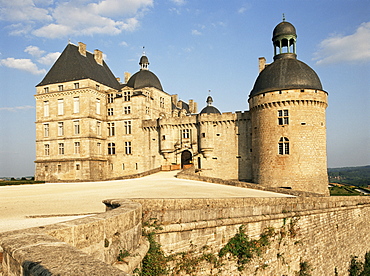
[25, 206]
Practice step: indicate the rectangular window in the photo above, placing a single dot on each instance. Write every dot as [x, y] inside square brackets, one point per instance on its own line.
[186, 133]
[97, 106]
[77, 147]
[127, 109]
[283, 117]
[46, 130]
[77, 85]
[60, 87]
[127, 125]
[110, 111]
[59, 168]
[97, 87]
[128, 149]
[98, 128]
[161, 102]
[76, 127]
[111, 148]
[76, 105]
[60, 107]
[147, 110]
[46, 108]
[123, 166]
[98, 146]
[61, 148]
[47, 149]
[77, 167]
[60, 129]
[46, 90]
[110, 98]
[111, 131]
[127, 96]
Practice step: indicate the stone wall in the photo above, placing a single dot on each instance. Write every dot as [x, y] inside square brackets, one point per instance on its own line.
[322, 232]
[86, 246]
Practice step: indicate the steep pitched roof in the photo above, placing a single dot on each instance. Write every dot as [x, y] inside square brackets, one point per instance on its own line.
[71, 65]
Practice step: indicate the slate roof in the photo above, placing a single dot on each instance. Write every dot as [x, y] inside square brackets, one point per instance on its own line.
[72, 66]
[210, 109]
[144, 78]
[286, 72]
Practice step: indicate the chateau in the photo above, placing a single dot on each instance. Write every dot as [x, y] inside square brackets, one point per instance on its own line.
[91, 126]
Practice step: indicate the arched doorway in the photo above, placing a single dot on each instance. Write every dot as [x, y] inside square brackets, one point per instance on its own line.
[186, 159]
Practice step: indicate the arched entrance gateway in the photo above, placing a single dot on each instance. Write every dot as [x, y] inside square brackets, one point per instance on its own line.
[186, 159]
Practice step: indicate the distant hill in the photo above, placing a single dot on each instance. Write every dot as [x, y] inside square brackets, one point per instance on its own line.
[356, 176]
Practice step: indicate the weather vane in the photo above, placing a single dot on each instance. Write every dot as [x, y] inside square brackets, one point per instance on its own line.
[143, 50]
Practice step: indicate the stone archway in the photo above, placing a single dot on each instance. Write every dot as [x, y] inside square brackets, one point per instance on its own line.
[186, 159]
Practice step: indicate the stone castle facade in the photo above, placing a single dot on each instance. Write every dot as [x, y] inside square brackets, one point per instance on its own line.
[91, 126]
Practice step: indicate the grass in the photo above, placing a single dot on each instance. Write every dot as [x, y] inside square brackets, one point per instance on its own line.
[19, 182]
[343, 191]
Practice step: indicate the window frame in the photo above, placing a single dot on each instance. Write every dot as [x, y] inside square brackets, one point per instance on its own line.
[283, 146]
[111, 148]
[128, 147]
[60, 128]
[77, 147]
[60, 148]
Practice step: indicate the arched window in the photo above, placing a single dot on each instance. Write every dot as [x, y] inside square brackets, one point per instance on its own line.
[283, 146]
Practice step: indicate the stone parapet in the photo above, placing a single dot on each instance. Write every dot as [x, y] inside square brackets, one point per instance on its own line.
[77, 247]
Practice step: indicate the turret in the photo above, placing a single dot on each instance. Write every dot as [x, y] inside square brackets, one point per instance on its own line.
[287, 105]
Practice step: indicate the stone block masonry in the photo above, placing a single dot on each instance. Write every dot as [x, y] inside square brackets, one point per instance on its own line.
[323, 232]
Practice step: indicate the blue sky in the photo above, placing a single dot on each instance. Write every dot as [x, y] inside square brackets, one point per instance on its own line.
[193, 46]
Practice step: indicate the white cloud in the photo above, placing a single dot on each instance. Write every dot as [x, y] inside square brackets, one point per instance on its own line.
[49, 59]
[22, 64]
[34, 51]
[179, 2]
[16, 108]
[244, 8]
[22, 10]
[65, 18]
[350, 48]
[124, 43]
[195, 32]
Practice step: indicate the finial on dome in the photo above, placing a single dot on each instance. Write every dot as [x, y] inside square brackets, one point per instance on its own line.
[209, 100]
[283, 17]
[144, 61]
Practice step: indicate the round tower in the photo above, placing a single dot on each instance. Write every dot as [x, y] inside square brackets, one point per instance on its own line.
[287, 106]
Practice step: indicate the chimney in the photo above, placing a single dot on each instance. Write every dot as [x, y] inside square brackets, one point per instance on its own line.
[98, 56]
[174, 98]
[195, 107]
[261, 63]
[82, 48]
[127, 76]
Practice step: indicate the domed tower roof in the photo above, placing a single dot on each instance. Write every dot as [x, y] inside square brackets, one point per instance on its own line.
[144, 78]
[286, 72]
[283, 28]
[209, 109]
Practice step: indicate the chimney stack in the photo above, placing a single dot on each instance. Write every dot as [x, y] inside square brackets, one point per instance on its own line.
[127, 76]
[98, 56]
[82, 48]
[261, 63]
